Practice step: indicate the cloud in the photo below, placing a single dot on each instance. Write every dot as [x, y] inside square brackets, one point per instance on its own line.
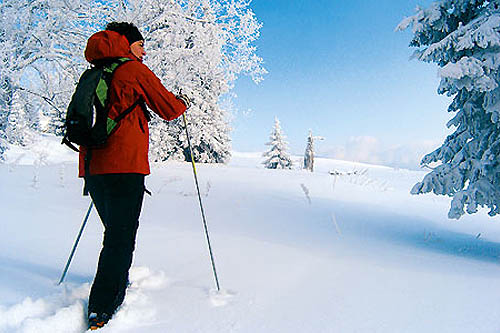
[369, 149]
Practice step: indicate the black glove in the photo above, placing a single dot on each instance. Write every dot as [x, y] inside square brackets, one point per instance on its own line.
[184, 99]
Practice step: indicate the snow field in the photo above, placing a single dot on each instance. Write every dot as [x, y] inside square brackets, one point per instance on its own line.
[295, 252]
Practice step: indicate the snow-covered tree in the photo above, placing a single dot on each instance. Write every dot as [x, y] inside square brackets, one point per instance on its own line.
[41, 58]
[17, 129]
[3, 149]
[201, 47]
[277, 157]
[162, 134]
[463, 38]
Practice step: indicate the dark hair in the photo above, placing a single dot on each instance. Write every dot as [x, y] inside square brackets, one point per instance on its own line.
[129, 30]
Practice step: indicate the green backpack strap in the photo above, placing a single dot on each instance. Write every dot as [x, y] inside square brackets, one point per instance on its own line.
[102, 93]
[102, 86]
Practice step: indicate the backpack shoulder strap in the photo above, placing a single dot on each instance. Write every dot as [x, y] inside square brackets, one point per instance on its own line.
[111, 124]
[108, 71]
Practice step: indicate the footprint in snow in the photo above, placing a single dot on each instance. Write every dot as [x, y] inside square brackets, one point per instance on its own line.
[144, 278]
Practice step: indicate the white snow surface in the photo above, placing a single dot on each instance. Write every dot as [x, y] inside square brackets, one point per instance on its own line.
[295, 251]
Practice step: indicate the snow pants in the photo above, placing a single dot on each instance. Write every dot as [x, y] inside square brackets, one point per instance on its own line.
[118, 200]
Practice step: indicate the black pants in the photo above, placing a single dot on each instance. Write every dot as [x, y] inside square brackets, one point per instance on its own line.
[118, 199]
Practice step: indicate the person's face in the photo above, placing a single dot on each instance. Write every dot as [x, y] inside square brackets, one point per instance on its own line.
[137, 49]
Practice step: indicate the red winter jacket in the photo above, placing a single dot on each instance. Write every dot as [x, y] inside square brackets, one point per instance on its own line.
[126, 150]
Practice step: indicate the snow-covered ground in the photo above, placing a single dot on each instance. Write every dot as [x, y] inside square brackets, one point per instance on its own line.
[295, 251]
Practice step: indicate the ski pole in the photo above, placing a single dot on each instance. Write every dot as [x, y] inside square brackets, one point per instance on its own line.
[76, 243]
[201, 205]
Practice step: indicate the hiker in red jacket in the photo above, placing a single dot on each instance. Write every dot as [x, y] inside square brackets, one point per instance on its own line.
[114, 173]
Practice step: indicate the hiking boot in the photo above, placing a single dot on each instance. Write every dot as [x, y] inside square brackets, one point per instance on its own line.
[98, 320]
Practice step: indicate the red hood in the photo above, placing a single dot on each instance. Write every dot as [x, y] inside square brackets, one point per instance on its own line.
[107, 44]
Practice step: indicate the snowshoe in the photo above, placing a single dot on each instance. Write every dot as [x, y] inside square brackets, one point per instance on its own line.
[98, 320]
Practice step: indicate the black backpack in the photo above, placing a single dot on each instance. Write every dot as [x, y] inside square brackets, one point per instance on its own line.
[87, 122]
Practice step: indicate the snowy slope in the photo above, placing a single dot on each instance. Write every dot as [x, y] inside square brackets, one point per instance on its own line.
[295, 252]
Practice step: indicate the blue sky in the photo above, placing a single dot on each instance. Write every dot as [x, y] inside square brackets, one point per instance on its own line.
[340, 69]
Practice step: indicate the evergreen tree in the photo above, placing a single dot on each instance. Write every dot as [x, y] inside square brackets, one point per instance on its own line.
[462, 37]
[277, 157]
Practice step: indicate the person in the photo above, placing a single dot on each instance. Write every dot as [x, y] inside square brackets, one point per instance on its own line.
[114, 173]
